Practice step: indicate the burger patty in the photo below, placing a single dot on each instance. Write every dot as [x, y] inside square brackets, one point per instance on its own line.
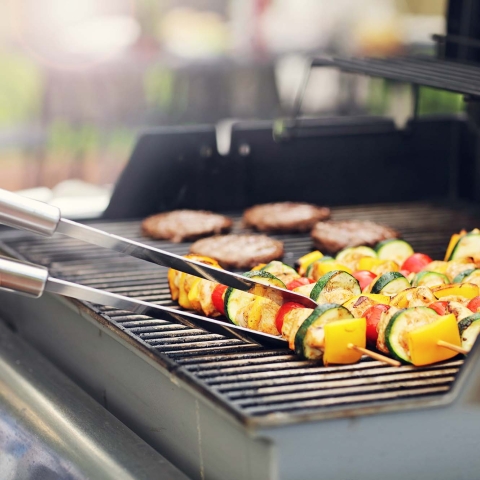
[239, 251]
[333, 236]
[284, 217]
[180, 225]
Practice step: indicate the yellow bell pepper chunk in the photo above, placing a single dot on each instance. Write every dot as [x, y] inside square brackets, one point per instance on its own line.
[467, 290]
[321, 268]
[451, 245]
[255, 312]
[307, 260]
[377, 265]
[340, 334]
[172, 276]
[422, 342]
[194, 295]
[183, 296]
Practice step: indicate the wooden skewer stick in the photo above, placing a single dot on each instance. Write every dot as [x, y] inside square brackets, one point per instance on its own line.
[453, 347]
[375, 355]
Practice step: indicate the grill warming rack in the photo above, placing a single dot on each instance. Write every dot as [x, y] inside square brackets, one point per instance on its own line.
[421, 70]
[253, 383]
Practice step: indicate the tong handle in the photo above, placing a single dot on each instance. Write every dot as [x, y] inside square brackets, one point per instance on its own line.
[21, 277]
[27, 214]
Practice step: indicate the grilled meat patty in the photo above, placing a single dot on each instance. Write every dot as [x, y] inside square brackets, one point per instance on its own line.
[180, 225]
[284, 217]
[333, 236]
[239, 251]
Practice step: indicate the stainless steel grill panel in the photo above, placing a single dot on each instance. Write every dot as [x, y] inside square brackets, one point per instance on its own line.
[248, 380]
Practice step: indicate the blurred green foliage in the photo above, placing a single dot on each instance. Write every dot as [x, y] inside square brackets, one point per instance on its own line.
[77, 141]
[431, 100]
[158, 87]
[21, 89]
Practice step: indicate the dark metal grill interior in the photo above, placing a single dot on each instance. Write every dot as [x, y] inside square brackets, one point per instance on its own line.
[428, 71]
[248, 380]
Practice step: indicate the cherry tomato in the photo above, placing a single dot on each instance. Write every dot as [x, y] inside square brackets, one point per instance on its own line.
[439, 307]
[298, 282]
[217, 298]
[416, 262]
[284, 309]
[364, 277]
[372, 316]
[474, 304]
[405, 273]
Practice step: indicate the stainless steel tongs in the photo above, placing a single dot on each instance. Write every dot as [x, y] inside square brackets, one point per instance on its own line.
[33, 281]
[38, 217]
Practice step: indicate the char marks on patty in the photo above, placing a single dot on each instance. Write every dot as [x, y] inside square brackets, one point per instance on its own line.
[333, 236]
[181, 225]
[239, 251]
[284, 216]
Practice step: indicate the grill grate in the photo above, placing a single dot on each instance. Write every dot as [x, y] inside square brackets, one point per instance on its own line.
[428, 71]
[248, 380]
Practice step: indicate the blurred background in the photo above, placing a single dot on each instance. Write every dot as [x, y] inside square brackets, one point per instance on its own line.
[80, 78]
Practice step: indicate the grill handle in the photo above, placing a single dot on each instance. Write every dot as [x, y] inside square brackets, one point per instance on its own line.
[20, 277]
[27, 214]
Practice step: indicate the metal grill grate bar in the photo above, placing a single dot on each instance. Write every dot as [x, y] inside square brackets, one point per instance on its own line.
[378, 396]
[247, 392]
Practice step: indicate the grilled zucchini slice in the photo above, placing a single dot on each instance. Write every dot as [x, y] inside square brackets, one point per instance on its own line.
[469, 329]
[429, 279]
[390, 284]
[284, 272]
[471, 275]
[336, 286]
[467, 246]
[394, 249]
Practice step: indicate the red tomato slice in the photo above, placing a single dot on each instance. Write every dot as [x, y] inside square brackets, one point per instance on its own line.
[284, 309]
[474, 304]
[372, 316]
[364, 277]
[439, 307]
[217, 298]
[298, 282]
[416, 262]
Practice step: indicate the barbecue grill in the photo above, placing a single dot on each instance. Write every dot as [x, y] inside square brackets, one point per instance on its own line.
[221, 407]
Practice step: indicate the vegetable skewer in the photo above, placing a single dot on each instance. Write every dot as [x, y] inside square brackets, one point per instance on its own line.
[411, 303]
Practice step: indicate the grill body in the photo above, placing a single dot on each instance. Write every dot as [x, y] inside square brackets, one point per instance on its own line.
[220, 407]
